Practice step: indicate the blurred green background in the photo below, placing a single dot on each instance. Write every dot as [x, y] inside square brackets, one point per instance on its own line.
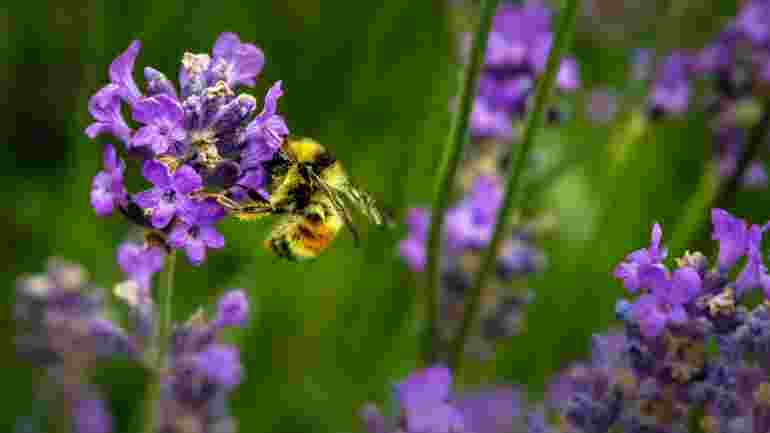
[372, 80]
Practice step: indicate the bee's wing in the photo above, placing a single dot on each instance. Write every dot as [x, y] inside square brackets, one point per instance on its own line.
[366, 204]
[338, 203]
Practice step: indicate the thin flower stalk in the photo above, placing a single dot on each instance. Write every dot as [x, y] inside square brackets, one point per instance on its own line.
[166, 298]
[446, 175]
[565, 28]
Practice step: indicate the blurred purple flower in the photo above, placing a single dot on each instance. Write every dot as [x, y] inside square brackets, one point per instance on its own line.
[232, 309]
[220, 364]
[140, 262]
[423, 397]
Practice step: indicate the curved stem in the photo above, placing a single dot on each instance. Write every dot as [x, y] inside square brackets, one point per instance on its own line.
[723, 195]
[163, 323]
[446, 176]
[535, 120]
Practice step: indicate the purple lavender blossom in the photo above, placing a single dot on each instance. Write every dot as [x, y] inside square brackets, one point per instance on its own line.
[754, 274]
[236, 62]
[665, 303]
[90, 416]
[518, 47]
[232, 309]
[122, 70]
[495, 410]
[107, 189]
[105, 106]
[195, 232]
[268, 129]
[423, 399]
[170, 191]
[199, 136]
[163, 118]
[140, 262]
[632, 268]
[671, 89]
[754, 21]
[221, 365]
[732, 234]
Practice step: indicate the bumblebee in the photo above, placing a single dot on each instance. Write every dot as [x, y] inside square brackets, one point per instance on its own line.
[312, 193]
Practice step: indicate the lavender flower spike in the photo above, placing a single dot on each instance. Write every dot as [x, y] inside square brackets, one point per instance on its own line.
[107, 189]
[169, 193]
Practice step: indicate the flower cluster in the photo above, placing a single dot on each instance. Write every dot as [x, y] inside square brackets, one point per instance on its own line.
[693, 349]
[734, 65]
[517, 50]
[198, 138]
[65, 328]
[426, 405]
[468, 230]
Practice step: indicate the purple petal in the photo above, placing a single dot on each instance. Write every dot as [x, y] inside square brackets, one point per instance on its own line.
[686, 285]
[169, 109]
[732, 235]
[677, 314]
[179, 235]
[186, 180]
[122, 69]
[195, 250]
[651, 320]
[243, 61]
[105, 106]
[149, 137]
[425, 387]
[102, 199]
[146, 110]
[211, 237]
[567, 78]
[271, 102]
[225, 44]
[221, 365]
[157, 173]
[162, 214]
[147, 199]
[413, 252]
[232, 309]
[110, 158]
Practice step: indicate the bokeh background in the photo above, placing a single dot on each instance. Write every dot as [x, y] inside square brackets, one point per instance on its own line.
[372, 80]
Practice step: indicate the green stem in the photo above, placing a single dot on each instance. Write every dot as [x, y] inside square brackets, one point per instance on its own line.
[163, 326]
[446, 176]
[723, 195]
[535, 120]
